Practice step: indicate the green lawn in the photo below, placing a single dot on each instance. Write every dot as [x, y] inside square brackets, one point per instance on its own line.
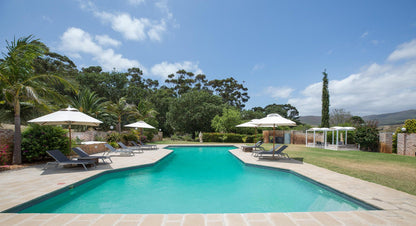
[395, 171]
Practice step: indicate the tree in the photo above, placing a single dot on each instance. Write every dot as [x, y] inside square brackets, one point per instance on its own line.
[161, 100]
[357, 120]
[285, 110]
[325, 101]
[19, 82]
[367, 136]
[340, 117]
[182, 82]
[193, 112]
[119, 109]
[227, 121]
[232, 92]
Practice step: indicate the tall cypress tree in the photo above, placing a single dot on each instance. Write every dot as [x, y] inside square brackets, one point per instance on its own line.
[325, 101]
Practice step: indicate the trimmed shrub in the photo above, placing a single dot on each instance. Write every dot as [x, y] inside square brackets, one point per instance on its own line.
[228, 137]
[367, 137]
[36, 140]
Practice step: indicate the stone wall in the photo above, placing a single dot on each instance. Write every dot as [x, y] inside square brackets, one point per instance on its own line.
[386, 142]
[93, 148]
[88, 135]
[6, 140]
[406, 144]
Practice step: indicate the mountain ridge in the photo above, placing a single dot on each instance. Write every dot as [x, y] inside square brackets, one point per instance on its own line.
[393, 118]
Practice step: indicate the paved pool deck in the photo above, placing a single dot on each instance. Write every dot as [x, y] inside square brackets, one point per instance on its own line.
[19, 186]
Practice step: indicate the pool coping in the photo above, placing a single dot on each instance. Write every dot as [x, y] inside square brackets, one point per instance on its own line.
[399, 208]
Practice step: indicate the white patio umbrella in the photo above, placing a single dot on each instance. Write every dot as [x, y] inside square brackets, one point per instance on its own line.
[274, 120]
[68, 116]
[140, 124]
[250, 124]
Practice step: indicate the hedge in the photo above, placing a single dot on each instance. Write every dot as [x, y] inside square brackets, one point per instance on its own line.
[229, 137]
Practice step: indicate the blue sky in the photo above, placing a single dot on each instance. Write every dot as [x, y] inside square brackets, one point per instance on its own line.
[277, 48]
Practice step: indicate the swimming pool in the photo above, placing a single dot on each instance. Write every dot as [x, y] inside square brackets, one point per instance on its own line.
[198, 180]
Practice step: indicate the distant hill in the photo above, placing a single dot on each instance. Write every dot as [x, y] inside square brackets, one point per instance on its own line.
[383, 119]
[392, 118]
[311, 120]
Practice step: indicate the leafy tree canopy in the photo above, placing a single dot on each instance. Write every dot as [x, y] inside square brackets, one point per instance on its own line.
[227, 121]
[194, 111]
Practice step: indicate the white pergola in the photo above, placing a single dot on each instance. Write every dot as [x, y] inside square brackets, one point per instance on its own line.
[335, 140]
[314, 130]
[339, 128]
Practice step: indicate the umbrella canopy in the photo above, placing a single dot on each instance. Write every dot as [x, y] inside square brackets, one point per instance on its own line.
[68, 116]
[140, 124]
[250, 124]
[274, 120]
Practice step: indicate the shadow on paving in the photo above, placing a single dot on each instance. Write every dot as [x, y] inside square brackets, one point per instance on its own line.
[73, 169]
[291, 160]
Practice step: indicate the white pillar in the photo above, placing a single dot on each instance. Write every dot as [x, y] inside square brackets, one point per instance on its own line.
[306, 139]
[337, 140]
[314, 138]
[346, 137]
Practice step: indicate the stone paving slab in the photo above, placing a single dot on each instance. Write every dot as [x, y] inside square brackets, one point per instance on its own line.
[19, 186]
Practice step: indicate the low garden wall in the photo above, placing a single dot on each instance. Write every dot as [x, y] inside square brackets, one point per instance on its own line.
[6, 146]
[93, 147]
[89, 135]
[386, 142]
[406, 144]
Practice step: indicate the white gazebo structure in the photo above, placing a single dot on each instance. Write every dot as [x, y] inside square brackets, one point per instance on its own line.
[336, 143]
[314, 130]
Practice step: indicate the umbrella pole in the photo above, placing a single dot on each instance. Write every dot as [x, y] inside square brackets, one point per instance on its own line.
[274, 139]
[70, 138]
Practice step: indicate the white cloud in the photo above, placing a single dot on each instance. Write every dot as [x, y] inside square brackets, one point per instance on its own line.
[365, 34]
[257, 67]
[164, 69]
[76, 42]
[132, 28]
[47, 19]
[278, 92]
[105, 40]
[135, 2]
[404, 51]
[376, 89]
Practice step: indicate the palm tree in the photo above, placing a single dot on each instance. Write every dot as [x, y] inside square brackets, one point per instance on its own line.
[119, 109]
[88, 102]
[20, 83]
[144, 110]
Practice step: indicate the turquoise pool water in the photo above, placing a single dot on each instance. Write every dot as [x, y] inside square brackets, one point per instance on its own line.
[197, 180]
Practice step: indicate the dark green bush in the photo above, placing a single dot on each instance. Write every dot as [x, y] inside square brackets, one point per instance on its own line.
[114, 137]
[131, 136]
[367, 138]
[36, 140]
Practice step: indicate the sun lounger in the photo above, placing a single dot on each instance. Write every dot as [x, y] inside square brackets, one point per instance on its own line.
[84, 156]
[278, 152]
[121, 151]
[61, 159]
[253, 147]
[256, 153]
[135, 148]
[144, 146]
